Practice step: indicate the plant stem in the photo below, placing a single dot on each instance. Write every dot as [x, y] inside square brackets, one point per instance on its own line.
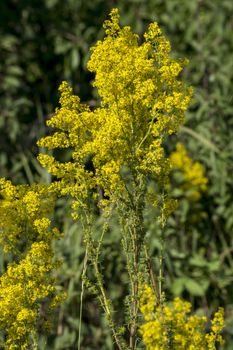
[104, 301]
[151, 272]
[106, 306]
[136, 231]
[135, 306]
[81, 298]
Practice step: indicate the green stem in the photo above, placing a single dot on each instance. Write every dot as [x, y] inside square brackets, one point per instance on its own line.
[136, 231]
[104, 301]
[151, 272]
[81, 298]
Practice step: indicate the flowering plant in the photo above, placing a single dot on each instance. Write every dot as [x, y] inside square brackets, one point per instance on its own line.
[116, 150]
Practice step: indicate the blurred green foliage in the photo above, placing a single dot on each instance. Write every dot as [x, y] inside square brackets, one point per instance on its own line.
[44, 42]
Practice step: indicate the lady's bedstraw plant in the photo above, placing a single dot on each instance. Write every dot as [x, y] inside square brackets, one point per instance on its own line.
[142, 102]
[26, 233]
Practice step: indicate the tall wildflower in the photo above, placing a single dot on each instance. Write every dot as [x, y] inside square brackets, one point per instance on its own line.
[142, 102]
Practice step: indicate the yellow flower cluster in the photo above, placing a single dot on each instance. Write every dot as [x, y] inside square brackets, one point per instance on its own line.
[217, 326]
[194, 181]
[23, 207]
[25, 231]
[170, 326]
[22, 286]
[142, 101]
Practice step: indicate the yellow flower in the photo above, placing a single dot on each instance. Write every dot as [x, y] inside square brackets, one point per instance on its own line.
[142, 101]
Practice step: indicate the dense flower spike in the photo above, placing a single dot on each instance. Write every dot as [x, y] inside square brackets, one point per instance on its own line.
[25, 231]
[171, 326]
[142, 101]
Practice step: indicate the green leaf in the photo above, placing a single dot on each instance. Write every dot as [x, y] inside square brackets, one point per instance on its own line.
[198, 261]
[178, 286]
[195, 288]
